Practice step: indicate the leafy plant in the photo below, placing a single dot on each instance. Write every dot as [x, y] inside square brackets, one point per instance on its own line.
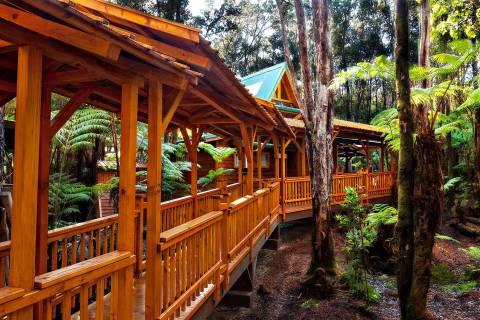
[65, 197]
[212, 175]
[445, 238]
[358, 239]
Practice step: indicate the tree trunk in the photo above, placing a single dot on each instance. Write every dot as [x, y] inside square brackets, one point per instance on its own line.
[318, 117]
[428, 194]
[286, 47]
[404, 228]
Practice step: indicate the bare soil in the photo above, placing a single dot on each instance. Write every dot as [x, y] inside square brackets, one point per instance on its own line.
[279, 277]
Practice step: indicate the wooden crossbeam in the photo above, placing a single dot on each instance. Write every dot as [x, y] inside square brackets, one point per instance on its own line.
[163, 25]
[8, 87]
[214, 100]
[69, 109]
[66, 77]
[159, 46]
[61, 53]
[173, 105]
[70, 36]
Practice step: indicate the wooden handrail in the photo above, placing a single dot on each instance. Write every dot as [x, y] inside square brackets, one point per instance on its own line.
[62, 286]
[60, 233]
[171, 236]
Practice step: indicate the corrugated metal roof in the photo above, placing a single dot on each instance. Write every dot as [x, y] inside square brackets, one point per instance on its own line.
[262, 83]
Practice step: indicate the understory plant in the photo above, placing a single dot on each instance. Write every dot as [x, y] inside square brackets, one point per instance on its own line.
[361, 224]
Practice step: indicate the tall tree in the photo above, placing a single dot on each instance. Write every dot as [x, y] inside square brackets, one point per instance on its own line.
[318, 117]
[286, 45]
[428, 193]
[404, 228]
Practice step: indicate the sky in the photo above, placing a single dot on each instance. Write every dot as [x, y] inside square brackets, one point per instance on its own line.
[196, 6]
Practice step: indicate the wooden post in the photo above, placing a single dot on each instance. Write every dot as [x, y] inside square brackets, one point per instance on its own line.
[382, 158]
[335, 157]
[259, 161]
[282, 177]
[43, 183]
[25, 175]
[154, 191]
[247, 136]
[276, 155]
[303, 160]
[126, 216]
[240, 157]
[194, 171]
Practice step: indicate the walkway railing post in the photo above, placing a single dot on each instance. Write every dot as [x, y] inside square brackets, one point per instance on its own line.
[126, 216]
[25, 175]
[154, 210]
[224, 245]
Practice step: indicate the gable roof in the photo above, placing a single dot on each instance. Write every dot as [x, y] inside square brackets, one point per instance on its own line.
[263, 83]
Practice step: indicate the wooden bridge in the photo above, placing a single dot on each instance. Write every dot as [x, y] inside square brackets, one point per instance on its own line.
[155, 260]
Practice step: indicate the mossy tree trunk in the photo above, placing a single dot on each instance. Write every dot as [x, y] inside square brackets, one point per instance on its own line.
[404, 228]
[318, 117]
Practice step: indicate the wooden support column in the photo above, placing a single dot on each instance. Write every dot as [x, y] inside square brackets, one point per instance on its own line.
[259, 161]
[276, 155]
[43, 183]
[283, 175]
[154, 191]
[247, 136]
[240, 157]
[382, 158]
[193, 154]
[303, 162]
[126, 216]
[335, 157]
[25, 175]
[194, 170]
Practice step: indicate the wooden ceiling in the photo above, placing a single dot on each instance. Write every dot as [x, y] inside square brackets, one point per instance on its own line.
[92, 47]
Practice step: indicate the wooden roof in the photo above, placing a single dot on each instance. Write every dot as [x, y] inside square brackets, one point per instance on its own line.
[93, 46]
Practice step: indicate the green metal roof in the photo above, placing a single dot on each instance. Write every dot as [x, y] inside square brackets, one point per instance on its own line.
[288, 109]
[262, 83]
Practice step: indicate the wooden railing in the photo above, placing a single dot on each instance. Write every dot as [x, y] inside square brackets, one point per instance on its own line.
[298, 193]
[71, 289]
[191, 262]
[4, 260]
[198, 255]
[177, 212]
[369, 185]
[82, 241]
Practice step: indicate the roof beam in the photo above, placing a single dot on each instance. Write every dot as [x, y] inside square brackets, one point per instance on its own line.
[60, 52]
[173, 105]
[159, 46]
[199, 93]
[163, 25]
[69, 109]
[66, 77]
[73, 37]
[9, 87]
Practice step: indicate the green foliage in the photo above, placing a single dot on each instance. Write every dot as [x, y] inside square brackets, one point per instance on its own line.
[212, 175]
[455, 19]
[360, 234]
[309, 303]
[442, 275]
[473, 253]
[81, 130]
[445, 238]
[358, 283]
[461, 287]
[65, 197]
[217, 153]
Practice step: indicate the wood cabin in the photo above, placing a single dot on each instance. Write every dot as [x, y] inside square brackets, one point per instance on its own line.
[154, 259]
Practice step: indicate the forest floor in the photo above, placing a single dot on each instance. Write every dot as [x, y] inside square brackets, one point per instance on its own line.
[279, 275]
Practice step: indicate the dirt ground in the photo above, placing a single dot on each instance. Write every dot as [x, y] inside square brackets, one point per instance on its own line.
[279, 275]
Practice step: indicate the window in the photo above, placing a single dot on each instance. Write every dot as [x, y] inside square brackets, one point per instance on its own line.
[265, 160]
